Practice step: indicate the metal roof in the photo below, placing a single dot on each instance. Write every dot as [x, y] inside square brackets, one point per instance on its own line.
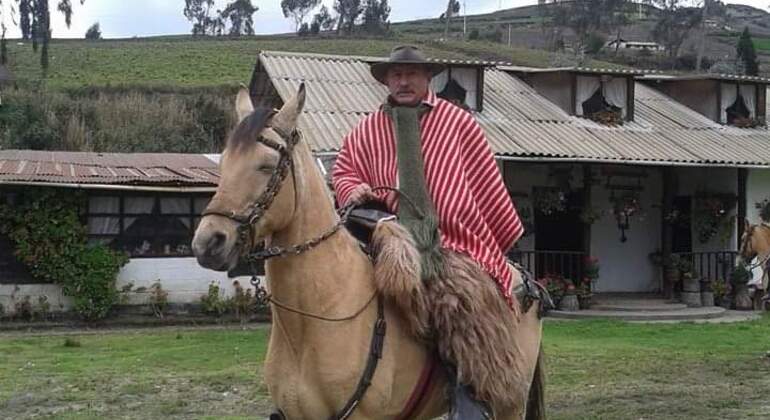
[518, 122]
[578, 69]
[81, 168]
[723, 77]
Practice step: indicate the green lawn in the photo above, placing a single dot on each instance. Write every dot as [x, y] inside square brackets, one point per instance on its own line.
[596, 370]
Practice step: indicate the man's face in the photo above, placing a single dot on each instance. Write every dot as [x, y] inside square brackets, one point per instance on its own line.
[408, 83]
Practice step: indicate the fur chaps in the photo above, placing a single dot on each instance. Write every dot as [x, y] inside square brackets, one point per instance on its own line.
[397, 274]
[463, 314]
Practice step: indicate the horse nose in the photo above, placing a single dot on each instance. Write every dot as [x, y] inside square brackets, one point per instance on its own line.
[216, 242]
[208, 245]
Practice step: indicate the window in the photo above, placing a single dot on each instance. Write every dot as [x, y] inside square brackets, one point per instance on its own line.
[459, 85]
[597, 94]
[145, 225]
[738, 104]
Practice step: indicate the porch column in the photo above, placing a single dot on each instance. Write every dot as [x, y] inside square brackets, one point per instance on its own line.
[587, 184]
[743, 176]
[667, 234]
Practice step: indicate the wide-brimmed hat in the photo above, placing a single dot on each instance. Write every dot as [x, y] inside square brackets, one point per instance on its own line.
[404, 54]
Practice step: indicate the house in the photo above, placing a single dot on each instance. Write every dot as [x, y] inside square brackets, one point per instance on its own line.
[147, 205]
[597, 162]
[622, 44]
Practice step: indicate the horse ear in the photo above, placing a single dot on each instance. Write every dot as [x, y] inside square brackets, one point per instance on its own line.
[286, 119]
[243, 105]
[746, 224]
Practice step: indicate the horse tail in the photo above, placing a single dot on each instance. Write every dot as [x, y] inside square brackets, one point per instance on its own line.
[536, 400]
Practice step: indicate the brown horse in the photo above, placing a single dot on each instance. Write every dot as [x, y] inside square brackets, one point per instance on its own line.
[755, 243]
[313, 366]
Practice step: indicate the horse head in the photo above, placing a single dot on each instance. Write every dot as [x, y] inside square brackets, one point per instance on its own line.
[754, 241]
[258, 190]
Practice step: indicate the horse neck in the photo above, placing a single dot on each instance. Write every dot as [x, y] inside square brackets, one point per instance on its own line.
[330, 279]
[762, 246]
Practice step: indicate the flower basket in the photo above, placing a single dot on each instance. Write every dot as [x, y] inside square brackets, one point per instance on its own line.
[764, 210]
[711, 215]
[607, 117]
[550, 201]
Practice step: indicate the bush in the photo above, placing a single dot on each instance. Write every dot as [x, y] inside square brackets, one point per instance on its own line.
[243, 303]
[158, 299]
[117, 121]
[94, 32]
[212, 303]
[50, 240]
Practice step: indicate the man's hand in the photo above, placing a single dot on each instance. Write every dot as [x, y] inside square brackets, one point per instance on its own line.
[361, 194]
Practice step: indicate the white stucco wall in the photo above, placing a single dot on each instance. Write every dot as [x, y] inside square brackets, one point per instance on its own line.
[757, 189]
[626, 266]
[183, 279]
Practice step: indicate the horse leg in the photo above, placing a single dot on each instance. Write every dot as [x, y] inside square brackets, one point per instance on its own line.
[528, 338]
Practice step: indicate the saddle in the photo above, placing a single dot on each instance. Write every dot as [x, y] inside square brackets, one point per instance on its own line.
[364, 218]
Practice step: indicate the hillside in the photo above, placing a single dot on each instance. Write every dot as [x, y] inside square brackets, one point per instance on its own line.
[169, 63]
[528, 31]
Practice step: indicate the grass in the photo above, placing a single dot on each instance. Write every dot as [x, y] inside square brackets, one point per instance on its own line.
[762, 44]
[596, 370]
[170, 63]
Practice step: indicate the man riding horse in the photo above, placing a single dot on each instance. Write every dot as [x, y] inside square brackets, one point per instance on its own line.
[437, 156]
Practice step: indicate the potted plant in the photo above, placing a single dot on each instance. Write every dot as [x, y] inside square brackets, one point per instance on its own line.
[764, 210]
[584, 294]
[555, 287]
[739, 279]
[569, 302]
[721, 291]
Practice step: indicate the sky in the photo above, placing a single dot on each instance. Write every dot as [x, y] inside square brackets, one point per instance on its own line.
[125, 19]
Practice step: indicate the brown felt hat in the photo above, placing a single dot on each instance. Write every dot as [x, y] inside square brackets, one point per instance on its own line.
[404, 54]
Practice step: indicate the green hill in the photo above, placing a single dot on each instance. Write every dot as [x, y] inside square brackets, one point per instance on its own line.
[171, 63]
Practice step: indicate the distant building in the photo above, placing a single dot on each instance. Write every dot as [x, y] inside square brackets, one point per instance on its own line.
[623, 44]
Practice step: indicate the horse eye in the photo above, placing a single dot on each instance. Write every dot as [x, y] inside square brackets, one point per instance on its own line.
[268, 169]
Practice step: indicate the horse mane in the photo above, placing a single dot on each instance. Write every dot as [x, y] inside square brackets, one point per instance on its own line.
[250, 128]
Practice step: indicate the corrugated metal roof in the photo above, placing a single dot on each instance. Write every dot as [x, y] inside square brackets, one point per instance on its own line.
[138, 169]
[589, 70]
[518, 121]
[726, 77]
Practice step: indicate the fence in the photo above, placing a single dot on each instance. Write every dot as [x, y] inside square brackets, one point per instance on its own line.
[569, 265]
[711, 265]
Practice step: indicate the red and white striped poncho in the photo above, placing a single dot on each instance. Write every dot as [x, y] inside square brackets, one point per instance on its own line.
[476, 215]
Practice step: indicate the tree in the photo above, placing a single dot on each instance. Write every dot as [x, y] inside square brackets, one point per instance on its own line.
[452, 8]
[746, 54]
[240, 13]
[348, 11]
[94, 32]
[376, 13]
[710, 8]
[587, 17]
[298, 10]
[199, 13]
[35, 23]
[675, 21]
[324, 20]
[3, 46]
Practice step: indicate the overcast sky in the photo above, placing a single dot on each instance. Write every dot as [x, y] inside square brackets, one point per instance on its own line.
[122, 19]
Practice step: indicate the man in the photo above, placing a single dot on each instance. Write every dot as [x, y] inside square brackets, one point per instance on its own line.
[438, 157]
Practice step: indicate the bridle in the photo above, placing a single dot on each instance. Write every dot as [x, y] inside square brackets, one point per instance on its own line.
[255, 213]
